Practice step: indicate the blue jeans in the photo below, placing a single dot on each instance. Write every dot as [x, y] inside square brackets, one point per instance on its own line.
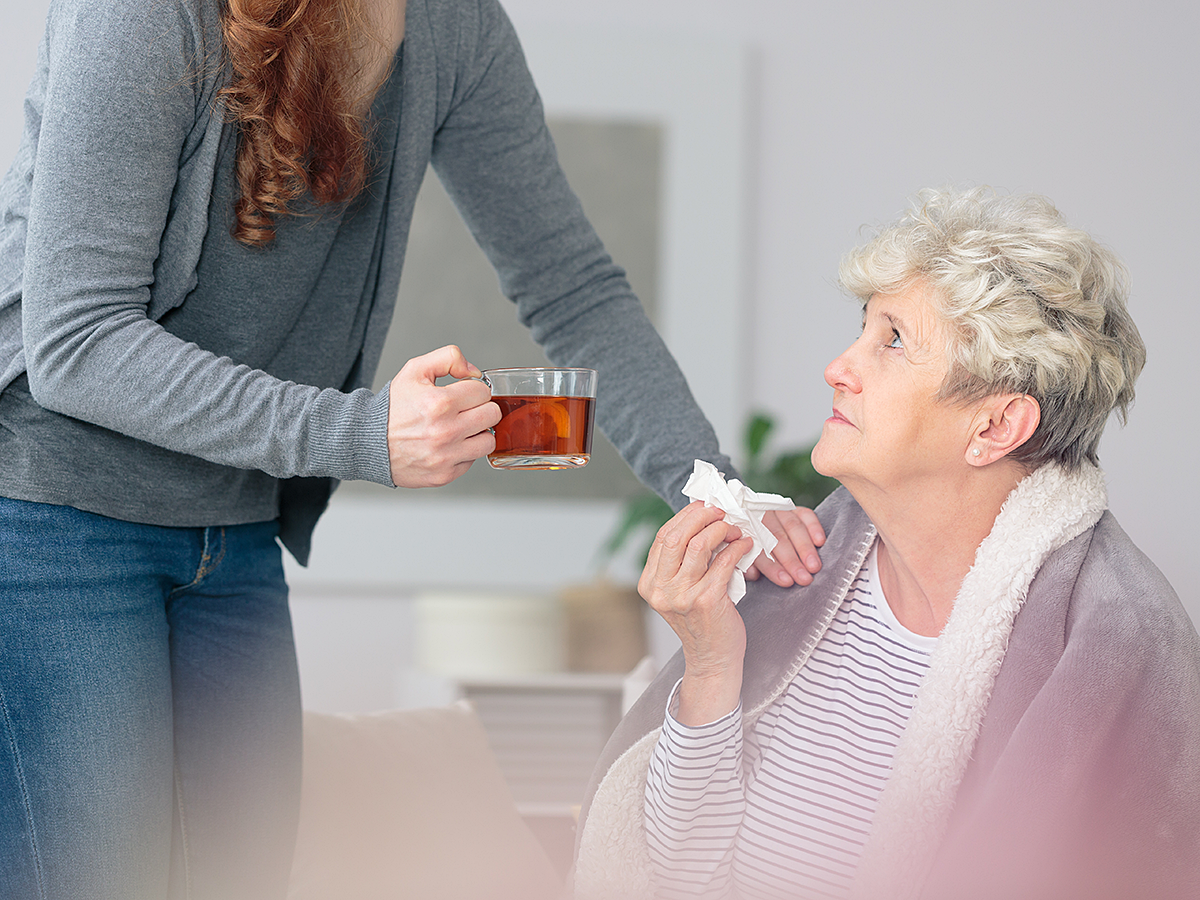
[149, 709]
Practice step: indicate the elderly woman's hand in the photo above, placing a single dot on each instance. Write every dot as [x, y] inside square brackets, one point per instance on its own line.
[796, 560]
[688, 586]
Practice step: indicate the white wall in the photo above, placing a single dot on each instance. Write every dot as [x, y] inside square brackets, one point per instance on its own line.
[854, 106]
[23, 23]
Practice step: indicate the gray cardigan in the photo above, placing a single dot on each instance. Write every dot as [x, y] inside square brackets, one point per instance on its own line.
[1054, 747]
[104, 214]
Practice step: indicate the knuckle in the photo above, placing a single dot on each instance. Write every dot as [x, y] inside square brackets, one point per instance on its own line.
[437, 406]
[698, 549]
[669, 538]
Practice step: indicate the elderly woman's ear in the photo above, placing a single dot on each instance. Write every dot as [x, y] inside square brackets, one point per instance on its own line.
[1003, 423]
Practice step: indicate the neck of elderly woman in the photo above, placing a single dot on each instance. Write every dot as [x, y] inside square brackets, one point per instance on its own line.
[929, 533]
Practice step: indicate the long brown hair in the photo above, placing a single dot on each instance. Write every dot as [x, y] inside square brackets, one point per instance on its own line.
[296, 97]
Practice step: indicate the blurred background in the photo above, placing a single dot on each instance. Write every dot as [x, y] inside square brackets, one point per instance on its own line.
[729, 155]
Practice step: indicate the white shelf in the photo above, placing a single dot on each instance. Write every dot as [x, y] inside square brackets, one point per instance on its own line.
[547, 731]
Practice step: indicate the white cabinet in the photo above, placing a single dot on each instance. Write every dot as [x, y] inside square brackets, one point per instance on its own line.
[547, 731]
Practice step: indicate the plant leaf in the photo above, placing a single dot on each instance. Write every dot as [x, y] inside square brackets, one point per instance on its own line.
[757, 430]
[644, 510]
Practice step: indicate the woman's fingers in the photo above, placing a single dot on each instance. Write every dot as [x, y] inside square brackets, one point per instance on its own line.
[684, 546]
[795, 556]
[691, 561]
[676, 535]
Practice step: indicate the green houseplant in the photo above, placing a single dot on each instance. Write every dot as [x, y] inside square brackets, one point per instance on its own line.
[789, 473]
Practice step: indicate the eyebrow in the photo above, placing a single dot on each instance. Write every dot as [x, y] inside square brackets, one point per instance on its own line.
[895, 321]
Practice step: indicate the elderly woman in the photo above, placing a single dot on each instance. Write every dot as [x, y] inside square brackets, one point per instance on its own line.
[987, 691]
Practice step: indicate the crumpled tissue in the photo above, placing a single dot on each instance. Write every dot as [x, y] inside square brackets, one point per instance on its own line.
[743, 508]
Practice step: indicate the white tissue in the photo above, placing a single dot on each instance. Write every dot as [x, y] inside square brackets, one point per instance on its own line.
[743, 508]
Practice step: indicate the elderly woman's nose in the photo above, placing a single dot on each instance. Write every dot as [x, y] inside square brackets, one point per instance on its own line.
[840, 375]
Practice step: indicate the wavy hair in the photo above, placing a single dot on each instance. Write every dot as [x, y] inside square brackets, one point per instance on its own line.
[1033, 305]
[295, 97]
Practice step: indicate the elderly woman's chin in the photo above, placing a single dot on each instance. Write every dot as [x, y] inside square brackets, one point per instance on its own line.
[825, 456]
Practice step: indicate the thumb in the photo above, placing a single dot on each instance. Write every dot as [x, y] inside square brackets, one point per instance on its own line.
[448, 360]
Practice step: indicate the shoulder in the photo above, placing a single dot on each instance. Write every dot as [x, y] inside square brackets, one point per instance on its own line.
[145, 17]
[1127, 641]
[171, 40]
[1119, 593]
[459, 30]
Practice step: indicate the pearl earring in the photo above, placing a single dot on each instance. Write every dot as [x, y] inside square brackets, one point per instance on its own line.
[975, 451]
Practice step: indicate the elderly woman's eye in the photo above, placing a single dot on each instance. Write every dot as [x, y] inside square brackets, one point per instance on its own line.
[895, 341]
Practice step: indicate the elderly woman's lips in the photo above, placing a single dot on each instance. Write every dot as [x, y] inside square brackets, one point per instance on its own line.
[838, 419]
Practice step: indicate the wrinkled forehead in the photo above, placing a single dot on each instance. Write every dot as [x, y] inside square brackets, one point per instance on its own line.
[915, 299]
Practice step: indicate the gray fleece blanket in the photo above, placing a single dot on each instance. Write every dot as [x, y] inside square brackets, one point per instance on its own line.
[1054, 748]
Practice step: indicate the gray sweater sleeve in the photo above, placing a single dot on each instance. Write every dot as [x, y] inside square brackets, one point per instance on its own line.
[497, 161]
[124, 95]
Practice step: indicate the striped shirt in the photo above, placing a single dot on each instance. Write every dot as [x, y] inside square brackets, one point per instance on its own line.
[783, 810]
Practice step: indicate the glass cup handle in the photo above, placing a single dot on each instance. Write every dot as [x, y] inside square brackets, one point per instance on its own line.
[484, 379]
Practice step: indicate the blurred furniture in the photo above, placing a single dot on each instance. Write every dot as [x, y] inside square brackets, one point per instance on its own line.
[411, 803]
[546, 732]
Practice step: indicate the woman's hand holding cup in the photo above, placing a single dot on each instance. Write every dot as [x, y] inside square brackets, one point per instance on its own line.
[435, 432]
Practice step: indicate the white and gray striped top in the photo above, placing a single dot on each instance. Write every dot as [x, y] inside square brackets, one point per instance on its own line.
[784, 810]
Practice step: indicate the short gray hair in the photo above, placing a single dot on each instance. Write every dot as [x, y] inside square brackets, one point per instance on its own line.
[1033, 305]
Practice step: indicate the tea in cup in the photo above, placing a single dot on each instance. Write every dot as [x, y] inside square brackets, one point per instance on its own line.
[546, 417]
